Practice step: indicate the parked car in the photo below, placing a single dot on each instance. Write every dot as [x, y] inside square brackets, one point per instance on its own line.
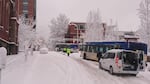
[120, 61]
[44, 50]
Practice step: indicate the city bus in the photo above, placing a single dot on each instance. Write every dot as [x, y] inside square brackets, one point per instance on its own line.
[90, 50]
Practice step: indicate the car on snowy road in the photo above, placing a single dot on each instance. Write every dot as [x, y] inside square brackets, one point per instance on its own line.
[121, 61]
[44, 50]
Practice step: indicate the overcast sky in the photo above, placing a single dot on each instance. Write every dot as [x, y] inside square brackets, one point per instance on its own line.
[123, 11]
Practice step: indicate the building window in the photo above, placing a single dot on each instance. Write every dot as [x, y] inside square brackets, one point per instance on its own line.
[25, 0]
[26, 15]
[82, 27]
[25, 7]
[25, 11]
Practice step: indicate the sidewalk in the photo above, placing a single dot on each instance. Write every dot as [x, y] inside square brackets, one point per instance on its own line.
[11, 58]
[17, 68]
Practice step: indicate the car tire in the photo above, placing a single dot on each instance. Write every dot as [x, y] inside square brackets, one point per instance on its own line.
[111, 70]
[84, 56]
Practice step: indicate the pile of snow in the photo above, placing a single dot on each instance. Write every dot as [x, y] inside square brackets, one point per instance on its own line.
[3, 53]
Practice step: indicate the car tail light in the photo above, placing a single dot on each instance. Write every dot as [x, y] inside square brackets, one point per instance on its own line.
[117, 62]
[117, 59]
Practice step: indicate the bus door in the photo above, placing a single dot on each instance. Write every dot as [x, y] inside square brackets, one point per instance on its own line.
[141, 60]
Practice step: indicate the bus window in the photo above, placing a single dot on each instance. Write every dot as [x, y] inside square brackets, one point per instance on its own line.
[110, 47]
[83, 47]
[92, 48]
[117, 46]
[101, 49]
[95, 49]
[107, 48]
[104, 49]
[88, 48]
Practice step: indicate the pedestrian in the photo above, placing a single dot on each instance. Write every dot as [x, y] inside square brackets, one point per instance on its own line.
[64, 50]
[68, 51]
[99, 55]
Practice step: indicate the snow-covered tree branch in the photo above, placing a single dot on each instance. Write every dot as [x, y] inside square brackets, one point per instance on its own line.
[144, 15]
[96, 30]
[26, 32]
[93, 27]
[58, 29]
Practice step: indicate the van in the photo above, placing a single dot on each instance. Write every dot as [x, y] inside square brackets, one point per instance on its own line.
[121, 62]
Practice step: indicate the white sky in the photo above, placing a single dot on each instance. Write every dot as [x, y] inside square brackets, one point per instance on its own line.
[123, 11]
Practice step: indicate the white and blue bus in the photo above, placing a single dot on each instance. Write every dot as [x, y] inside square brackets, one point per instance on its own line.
[90, 50]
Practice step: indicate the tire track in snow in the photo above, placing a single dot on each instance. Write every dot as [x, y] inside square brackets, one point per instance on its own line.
[96, 75]
[104, 76]
[75, 73]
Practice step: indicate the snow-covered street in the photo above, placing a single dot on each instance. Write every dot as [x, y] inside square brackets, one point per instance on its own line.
[57, 68]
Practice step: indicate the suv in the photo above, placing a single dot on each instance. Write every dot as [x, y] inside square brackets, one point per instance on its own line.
[120, 61]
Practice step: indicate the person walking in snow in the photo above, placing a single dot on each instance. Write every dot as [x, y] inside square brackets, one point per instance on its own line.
[64, 50]
[99, 55]
[68, 51]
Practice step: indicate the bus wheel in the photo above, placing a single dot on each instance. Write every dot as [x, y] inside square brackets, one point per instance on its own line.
[84, 56]
[133, 74]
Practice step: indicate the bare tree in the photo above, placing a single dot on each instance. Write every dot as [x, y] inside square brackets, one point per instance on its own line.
[93, 27]
[98, 31]
[58, 29]
[110, 34]
[144, 15]
[26, 32]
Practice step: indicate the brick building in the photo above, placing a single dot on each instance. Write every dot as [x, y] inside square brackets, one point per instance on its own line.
[9, 12]
[75, 32]
[8, 26]
[27, 8]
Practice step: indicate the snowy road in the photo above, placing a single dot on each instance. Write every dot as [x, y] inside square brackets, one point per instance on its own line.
[56, 68]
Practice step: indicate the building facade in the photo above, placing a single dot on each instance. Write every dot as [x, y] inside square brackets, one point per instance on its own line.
[75, 32]
[9, 14]
[27, 8]
[8, 26]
